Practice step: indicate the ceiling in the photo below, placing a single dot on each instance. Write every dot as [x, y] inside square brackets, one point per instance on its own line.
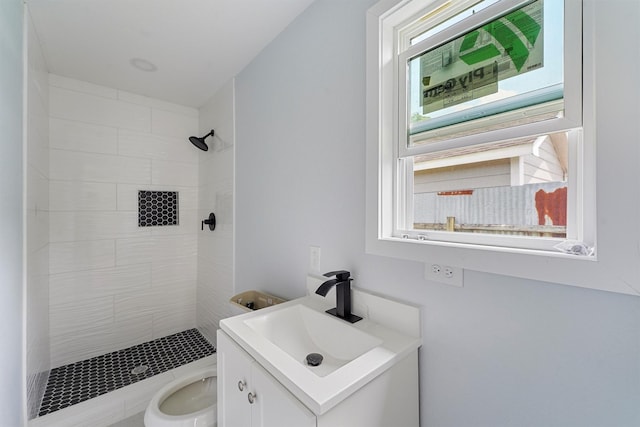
[196, 45]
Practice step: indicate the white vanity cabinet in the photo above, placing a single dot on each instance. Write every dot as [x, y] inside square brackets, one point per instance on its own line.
[391, 399]
[249, 396]
[368, 378]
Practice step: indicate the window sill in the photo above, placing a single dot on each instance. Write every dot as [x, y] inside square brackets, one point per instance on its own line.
[494, 249]
[545, 266]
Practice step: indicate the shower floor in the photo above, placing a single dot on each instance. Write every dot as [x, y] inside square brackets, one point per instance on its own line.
[86, 379]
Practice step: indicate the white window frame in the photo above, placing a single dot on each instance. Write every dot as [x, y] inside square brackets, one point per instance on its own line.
[383, 172]
[572, 87]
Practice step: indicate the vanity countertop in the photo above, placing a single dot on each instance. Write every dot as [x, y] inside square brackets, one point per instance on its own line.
[394, 326]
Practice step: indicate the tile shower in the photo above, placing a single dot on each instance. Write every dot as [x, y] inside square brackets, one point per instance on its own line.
[83, 380]
[114, 283]
[119, 187]
[102, 277]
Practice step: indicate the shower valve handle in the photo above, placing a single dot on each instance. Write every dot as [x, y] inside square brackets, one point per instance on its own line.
[211, 222]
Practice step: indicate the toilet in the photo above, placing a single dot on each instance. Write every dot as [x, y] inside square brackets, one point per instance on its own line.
[189, 401]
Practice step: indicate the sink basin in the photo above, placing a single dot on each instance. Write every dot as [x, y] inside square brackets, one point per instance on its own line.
[298, 331]
[280, 338]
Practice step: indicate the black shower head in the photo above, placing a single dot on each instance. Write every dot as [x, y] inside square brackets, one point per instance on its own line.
[199, 142]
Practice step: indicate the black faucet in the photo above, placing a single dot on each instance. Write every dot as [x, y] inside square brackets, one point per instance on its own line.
[342, 282]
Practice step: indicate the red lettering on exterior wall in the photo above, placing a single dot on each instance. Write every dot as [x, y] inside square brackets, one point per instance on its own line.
[553, 206]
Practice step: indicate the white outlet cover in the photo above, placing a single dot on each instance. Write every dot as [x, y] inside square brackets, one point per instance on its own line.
[447, 274]
[314, 259]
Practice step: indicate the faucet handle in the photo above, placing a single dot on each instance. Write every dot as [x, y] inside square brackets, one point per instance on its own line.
[341, 275]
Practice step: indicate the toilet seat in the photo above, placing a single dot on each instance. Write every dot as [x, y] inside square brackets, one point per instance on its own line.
[206, 417]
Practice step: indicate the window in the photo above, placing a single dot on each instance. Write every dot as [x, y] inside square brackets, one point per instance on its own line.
[479, 124]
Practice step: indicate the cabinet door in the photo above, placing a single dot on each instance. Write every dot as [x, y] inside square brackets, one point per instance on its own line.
[249, 396]
[234, 378]
[274, 405]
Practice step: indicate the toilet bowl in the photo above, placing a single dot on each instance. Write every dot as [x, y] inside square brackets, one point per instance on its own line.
[188, 401]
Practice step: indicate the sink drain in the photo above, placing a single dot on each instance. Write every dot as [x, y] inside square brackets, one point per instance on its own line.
[139, 370]
[314, 359]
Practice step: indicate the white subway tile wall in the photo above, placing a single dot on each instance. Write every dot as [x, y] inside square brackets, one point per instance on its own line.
[114, 284]
[82, 137]
[96, 167]
[99, 282]
[79, 256]
[83, 196]
[73, 104]
[37, 222]
[215, 194]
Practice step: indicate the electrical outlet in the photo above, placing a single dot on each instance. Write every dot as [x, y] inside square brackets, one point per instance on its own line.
[314, 259]
[448, 272]
[444, 274]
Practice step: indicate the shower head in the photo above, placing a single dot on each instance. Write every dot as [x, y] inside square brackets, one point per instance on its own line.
[199, 142]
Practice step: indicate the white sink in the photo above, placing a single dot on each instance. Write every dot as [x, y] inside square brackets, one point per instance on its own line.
[298, 330]
[281, 336]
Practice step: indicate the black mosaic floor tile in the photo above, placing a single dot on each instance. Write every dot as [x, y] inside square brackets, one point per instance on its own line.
[86, 379]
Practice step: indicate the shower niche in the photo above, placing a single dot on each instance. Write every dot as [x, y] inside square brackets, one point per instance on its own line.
[157, 208]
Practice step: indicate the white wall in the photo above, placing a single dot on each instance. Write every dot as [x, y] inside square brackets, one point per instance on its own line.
[37, 218]
[12, 392]
[114, 284]
[501, 351]
[215, 194]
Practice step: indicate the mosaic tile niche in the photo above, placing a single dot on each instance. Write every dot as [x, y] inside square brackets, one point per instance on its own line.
[157, 208]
